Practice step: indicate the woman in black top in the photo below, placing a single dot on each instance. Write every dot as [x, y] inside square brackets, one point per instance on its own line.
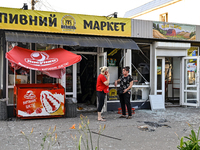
[126, 82]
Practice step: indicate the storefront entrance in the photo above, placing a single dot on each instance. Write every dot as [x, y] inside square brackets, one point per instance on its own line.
[86, 79]
[190, 84]
[178, 80]
[84, 75]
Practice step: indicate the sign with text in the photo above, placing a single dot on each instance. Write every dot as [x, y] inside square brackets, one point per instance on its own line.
[44, 21]
[40, 101]
[191, 67]
[165, 30]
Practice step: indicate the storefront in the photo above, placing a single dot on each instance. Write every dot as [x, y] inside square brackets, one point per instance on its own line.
[92, 37]
[163, 63]
[174, 55]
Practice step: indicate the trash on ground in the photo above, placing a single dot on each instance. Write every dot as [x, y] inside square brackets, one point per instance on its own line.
[145, 128]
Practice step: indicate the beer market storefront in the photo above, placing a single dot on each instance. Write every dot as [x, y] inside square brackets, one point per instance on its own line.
[92, 37]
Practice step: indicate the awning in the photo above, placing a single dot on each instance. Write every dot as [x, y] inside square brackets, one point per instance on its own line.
[72, 40]
[50, 62]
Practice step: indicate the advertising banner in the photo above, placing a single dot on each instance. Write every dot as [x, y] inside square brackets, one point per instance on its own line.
[191, 67]
[164, 30]
[44, 21]
[38, 102]
[50, 62]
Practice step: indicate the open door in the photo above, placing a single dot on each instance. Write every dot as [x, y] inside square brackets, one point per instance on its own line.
[160, 77]
[190, 81]
[102, 61]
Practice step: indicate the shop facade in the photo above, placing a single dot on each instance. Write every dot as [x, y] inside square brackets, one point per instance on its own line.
[92, 37]
[158, 61]
[174, 71]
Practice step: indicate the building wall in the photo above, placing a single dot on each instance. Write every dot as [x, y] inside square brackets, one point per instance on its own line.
[184, 12]
[144, 29]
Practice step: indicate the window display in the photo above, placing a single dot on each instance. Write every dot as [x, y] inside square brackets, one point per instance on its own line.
[69, 79]
[18, 75]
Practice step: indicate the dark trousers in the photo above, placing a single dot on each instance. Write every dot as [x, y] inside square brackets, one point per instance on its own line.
[101, 96]
[125, 100]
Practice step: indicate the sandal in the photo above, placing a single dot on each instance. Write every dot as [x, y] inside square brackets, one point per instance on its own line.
[122, 116]
[102, 120]
[103, 117]
[129, 117]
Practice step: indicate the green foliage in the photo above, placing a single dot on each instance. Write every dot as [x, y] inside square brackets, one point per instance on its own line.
[154, 26]
[85, 134]
[192, 142]
[158, 28]
[192, 34]
[48, 139]
[164, 32]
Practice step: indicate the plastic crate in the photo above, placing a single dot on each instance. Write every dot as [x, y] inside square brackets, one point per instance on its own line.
[120, 110]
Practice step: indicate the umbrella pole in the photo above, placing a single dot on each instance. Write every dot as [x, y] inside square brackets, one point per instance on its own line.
[14, 77]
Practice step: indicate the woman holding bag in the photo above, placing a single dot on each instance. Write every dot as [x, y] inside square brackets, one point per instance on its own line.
[102, 88]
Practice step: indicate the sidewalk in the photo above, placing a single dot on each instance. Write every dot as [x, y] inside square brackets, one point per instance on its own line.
[120, 133]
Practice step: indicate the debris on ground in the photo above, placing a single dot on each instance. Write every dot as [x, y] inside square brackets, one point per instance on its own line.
[162, 120]
[152, 124]
[145, 128]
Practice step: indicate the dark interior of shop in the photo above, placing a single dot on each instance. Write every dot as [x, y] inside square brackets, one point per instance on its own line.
[172, 92]
[86, 89]
[86, 75]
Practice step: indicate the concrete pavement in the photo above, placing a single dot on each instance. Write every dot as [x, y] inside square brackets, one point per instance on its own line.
[120, 133]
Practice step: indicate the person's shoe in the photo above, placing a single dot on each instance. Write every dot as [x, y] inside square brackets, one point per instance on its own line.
[102, 119]
[122, 116]
[129, 117]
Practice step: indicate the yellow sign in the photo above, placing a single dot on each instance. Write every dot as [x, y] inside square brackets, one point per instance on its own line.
[44, 21]
[112, 94]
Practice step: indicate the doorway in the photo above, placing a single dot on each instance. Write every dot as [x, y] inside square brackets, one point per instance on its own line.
[86, 79]
[172, 80]
[168, 75]
[178, 80]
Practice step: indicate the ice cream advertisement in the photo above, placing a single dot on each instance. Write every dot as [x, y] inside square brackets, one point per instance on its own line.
[40, 102]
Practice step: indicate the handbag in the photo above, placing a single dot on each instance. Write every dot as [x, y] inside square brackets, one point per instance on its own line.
[120, 91]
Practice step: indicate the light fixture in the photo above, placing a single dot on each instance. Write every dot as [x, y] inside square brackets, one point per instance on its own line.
[25, 7]
[115, 14]
[112, 15]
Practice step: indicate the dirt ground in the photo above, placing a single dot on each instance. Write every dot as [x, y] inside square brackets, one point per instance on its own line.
[147, 130]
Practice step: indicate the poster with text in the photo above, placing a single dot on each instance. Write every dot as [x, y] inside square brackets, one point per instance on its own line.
[40, 102]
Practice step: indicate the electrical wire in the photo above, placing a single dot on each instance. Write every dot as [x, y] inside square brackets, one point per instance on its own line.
[50, 8]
